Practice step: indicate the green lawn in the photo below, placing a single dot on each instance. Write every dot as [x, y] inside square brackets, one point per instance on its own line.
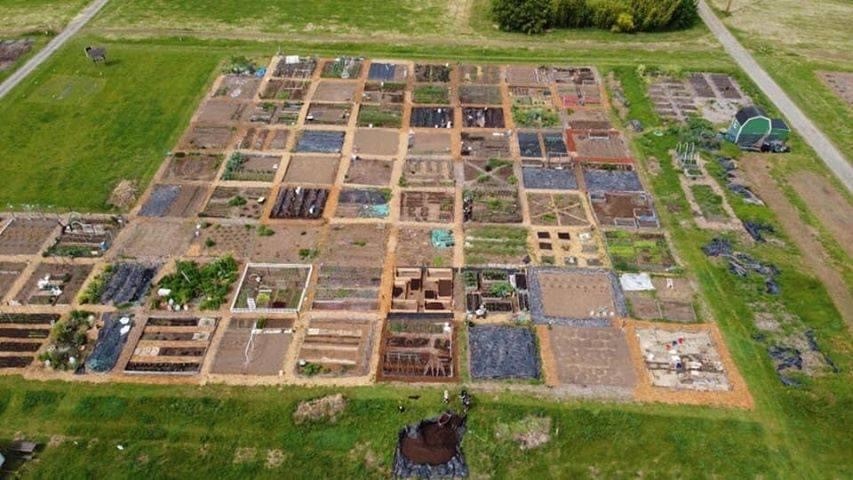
[36, 16]
[81, 128]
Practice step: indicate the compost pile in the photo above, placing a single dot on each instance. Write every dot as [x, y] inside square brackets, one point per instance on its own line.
[431, 449]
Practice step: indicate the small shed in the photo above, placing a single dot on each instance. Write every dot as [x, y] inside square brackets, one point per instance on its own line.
[752, 126]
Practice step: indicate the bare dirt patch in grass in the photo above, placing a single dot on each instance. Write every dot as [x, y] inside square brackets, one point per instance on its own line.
[831, 207]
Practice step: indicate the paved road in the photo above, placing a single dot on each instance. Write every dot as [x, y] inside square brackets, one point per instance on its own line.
[70, 30]
[830, 155]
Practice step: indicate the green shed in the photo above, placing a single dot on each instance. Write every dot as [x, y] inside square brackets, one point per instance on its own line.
[752, 126]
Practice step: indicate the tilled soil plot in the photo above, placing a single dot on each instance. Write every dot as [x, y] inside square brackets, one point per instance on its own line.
[236, 202]
[483, 74]
[480, 95]
[287, 244]
[384, 93]
[25, 236]
[64, 281]
[558, 209]
[365, 171]
[494, 172]
[204, 137]
[252, 347]
[303, 68]
[300, 202]
[624, 209]
[263, 139]
[415, 248]
[427, 172]
[363, 203]
[155, 239]
[331, 91]
[312, 169]
[172, 345]
[418, 206]
[575, 297]
[339, 347]
[328, 114]
[355, 245]
[345, 288]
[250, 167]
[174, 201]
[425, 73]
[370, 141]
[830, 207]
[592, 357]
[9, 272]
[486, 145]
[291, 90]
[429, 143]
[418, 350]
[243, 87]
[222, 112]
[502, 352]
[199, 167]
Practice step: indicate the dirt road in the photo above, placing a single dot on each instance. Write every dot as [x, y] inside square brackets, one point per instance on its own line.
[70, 30]
[758, 173]
[830, 155]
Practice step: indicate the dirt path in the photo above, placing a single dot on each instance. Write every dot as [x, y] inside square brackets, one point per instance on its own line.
[73, 27]
[832, 209]
[830, 155]
[757, 171]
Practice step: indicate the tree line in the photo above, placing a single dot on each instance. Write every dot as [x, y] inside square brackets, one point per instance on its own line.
[535, 16]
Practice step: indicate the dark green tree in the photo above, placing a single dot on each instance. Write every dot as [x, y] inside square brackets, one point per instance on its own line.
[527, 16]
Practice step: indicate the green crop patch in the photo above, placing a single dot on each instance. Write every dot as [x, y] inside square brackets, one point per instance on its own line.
[631, 251]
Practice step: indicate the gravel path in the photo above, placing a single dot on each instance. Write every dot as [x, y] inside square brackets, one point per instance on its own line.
[830, 155]
[70, 30]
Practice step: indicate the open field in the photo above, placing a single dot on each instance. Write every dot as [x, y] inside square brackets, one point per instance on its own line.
[795, 41]
[25, 16]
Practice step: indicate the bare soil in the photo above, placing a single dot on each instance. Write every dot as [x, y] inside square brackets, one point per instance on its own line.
[365, 171]
[831, 207]
[376, 141]
[414, 248]
[313, 169]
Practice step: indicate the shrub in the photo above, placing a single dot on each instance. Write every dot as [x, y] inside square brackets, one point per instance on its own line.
[526, 16]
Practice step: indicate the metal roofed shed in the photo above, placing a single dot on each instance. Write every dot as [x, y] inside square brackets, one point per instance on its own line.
[751, 126]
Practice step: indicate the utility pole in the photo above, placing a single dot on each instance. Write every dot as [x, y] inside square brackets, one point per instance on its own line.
[729, 8]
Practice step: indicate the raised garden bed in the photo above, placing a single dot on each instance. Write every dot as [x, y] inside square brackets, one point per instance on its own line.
[271, 288]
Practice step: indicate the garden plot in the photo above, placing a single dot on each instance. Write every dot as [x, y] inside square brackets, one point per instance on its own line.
[236, 202]
[422, 290]
[12, 50]
[499, 205]
[328, 114]
[320, 141]
[599, 147]
[495, 291]
[527, 75]
[431, 94]
[432, 117]
[429, 143]
[251, 167]
[347, 288]
[68, 344]
[673, 99]
[300, 202]
[480, 95]
[120, 284]
[271, 288]
[9, 273]
[343, 67]
[285, 113]
[216, 240]
[21, 336]
[155, 240]
[417, 349]
[589, 120]
[172, 345]
[426, 73]
[264, 139]
[633, 251]
[253, 347]
[387, 72]
[384, 93]
[242, 87]
[591, 357]
[570, 246]
[530, 96]
[113, 333]
[204, 286]
[483, 117]
[682, 360]
[840, 83]
[312, 169]
[370, 141]
[291, 90]
[192, 167]
[204, 137]
[285, 243]
[424, 247]
[575, 297]
[355, 245]
[85, 237]
[717, 95]
[488, 245]
[572, 96]
[367, 171]
[624, 209]
[558, 209]
[501, 352]
[486, 145]
[363, 203]
[535, 117]
[53, 284]
[220, 112]
[481, 74]
[427, 172]
[25, 236]
[335, 92]
[543, 144]
[493, 172]
[545, 178]
[336, 348]
[600, 180]
[380, 116]
[671, 299]
[174, 200]
[293, 66]
[432, 207]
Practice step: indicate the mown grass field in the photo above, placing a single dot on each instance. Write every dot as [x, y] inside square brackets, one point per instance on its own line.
[36, 16]
[795, 40]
